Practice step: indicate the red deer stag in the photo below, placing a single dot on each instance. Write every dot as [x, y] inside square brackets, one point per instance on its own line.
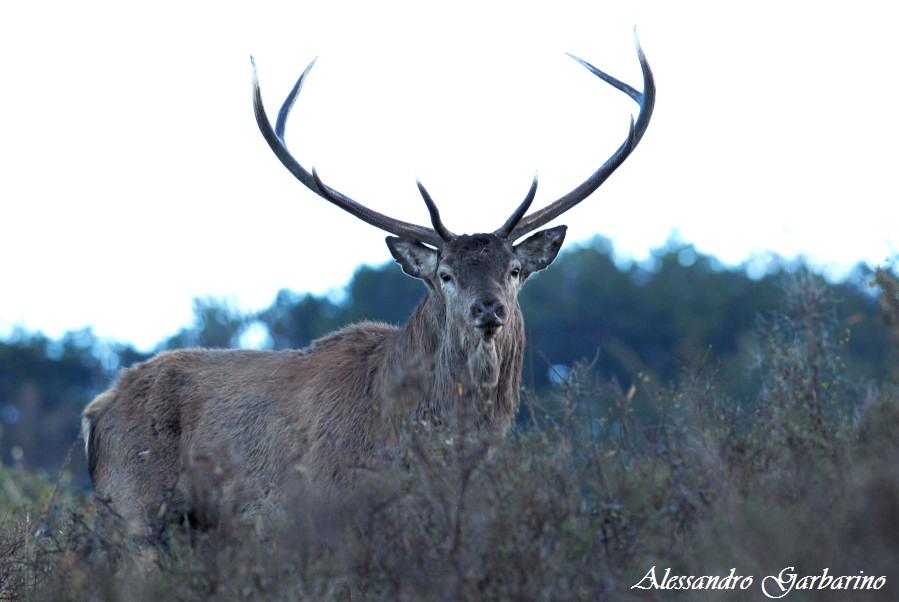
[324, 409]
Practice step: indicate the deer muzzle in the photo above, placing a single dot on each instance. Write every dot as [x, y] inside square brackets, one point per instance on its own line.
[489, 315]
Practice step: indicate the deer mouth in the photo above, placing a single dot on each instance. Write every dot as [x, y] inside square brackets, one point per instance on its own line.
[489, 327]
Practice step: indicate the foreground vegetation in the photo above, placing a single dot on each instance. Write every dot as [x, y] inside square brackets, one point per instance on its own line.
[601, 481]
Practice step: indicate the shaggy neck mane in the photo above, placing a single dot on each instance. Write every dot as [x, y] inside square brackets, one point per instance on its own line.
[433, 366]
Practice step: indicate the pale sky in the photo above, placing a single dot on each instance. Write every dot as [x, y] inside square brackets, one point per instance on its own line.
[134, 177]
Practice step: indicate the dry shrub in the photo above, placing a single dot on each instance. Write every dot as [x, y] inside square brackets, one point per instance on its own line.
[601, 482]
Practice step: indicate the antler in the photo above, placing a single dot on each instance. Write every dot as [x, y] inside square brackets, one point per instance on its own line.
[275, 138]
[506, 229]
[516, 226]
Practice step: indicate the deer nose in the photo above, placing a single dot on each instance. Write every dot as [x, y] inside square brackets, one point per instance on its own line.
[488, 312]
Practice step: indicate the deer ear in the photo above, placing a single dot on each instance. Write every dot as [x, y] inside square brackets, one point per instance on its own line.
[538, 251]
[417, 260]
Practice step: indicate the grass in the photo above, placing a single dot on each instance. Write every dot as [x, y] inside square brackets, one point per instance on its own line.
[602, 483]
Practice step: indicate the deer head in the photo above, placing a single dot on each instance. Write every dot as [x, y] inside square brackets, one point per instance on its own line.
[477, 277]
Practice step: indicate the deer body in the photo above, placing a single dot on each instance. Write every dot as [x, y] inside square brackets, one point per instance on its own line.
[226, 430]
[262, 418]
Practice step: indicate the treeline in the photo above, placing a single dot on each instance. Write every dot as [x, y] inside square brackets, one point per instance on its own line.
[636, 322]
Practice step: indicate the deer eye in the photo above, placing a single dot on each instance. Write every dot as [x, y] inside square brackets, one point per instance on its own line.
[446, 277]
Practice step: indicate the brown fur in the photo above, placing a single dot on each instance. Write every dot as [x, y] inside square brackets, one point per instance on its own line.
[215, 431]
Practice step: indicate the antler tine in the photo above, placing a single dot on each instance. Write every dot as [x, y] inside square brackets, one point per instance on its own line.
[288, 103]
[275, 139]
[506, 229]
[646, 100]
[442, 230]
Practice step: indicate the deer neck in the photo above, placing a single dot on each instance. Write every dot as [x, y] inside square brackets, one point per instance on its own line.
[447, 368]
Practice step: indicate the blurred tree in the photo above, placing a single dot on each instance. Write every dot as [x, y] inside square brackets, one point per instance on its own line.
[294, 320]
[216, 324]
[382, 293]
[647, 321]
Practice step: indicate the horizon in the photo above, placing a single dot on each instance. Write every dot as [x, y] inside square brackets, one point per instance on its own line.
[754, 268]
